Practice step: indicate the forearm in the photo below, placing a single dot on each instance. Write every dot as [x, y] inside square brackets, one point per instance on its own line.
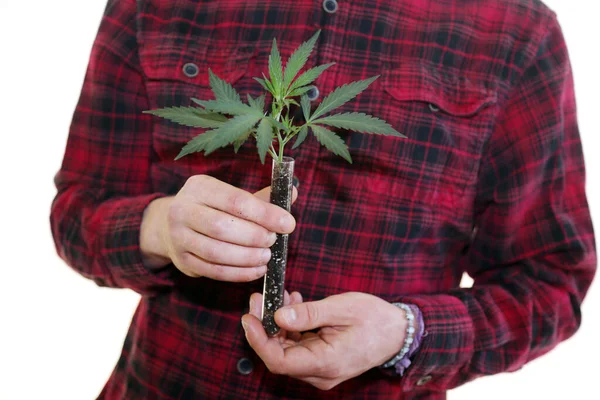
[100, 238]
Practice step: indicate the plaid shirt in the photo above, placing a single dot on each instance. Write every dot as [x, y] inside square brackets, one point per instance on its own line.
[490, 181]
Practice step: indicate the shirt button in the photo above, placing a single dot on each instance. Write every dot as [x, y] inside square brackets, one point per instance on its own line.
[330, 6]
[313, 93]
[190, 70]
[245, 366]
[296, 182]
[424, 380]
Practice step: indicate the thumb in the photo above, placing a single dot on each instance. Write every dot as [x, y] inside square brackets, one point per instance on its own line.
[313, 315]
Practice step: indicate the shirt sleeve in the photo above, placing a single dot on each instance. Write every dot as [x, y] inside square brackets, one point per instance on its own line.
[532, 255]
[104, 182]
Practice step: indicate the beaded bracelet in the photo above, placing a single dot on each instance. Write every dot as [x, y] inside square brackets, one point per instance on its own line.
[410, 334]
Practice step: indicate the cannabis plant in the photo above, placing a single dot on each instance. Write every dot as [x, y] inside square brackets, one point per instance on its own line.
[231, 121]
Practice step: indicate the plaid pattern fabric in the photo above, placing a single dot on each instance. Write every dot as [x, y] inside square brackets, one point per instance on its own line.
[489, 181]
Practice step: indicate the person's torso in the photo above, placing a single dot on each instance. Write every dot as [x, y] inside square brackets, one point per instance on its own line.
[395, 222]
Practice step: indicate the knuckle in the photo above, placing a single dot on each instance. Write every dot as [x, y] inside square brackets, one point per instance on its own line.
[198, 180]
[216, 227]
[312, 313]
[238, 204]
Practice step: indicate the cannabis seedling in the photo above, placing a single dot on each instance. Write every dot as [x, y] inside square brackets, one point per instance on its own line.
[231, 121]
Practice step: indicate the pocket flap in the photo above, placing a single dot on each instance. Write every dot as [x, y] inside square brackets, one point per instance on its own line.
[454, 94]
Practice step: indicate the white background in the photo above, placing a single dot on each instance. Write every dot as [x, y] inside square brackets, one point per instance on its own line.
[60, 335]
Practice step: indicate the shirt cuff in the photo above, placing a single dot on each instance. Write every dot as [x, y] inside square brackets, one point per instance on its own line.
[446, 347]
[120, 250]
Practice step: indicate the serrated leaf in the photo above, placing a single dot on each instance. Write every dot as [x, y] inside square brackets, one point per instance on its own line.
[222, 90]
[197, 144]
[299, 91]
[224, 107]
[309, 76]
[276, 124]
[298, 59]
[260, 103]
[301, 136]
[359, 122]
[264, 138]
[187, 116]
[209, 115]
[251, 101]
[342, 95]
[257, 104]
[239, 142]
[331, 141]
[305, 107]
[275, 69]
[263, 83]
[232, 130]
[292, 101]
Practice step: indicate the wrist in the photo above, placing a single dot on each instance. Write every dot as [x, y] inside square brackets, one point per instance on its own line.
[152, 245]
[406, 339]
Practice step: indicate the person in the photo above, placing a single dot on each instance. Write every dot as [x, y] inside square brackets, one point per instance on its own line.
[489, 181]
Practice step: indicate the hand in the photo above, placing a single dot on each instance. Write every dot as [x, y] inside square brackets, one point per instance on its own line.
[256, 301]
[212, 229]
[357, 332]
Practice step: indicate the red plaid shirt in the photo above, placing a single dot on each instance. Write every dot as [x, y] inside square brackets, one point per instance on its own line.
[490, 181]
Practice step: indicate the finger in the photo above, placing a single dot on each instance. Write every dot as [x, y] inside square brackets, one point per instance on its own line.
[217, 252]
[293, 361]
[332, 311]
[225, 227]
[295, 298]
[256, 305]
[231, 200]
[265, 194]
[286, 298]
[196, 267]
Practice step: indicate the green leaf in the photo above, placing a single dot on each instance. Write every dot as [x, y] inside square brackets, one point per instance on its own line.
[187, 116]
[301, 136]
[225, 107]
[331, 141]
[232, 130]
[239, 142]
[359, 122]
[257, 104]
[264, 138]
[212, 116]
[197, 144]
[223, 91]
[263, 83]
[291, 101]
[260, 103]
[275, 69]
[276, 123]
[299, 91]
[251, 101]
[309, 76]
[298, 59]
[305, 107]
[342, 95]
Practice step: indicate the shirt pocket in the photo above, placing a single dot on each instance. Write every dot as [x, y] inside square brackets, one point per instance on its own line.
[446, 118]
[168, 85]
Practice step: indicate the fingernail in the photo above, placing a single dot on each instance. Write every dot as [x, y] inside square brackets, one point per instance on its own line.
[245, 326]
[251, 306]
[289, 314]
[266, 257]
[272, 238]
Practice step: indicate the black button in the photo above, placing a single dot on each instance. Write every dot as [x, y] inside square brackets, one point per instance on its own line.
[245, 366]
[296, 181]
[313, 93]
[190, 70]
[424, 380]
[330, 6]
